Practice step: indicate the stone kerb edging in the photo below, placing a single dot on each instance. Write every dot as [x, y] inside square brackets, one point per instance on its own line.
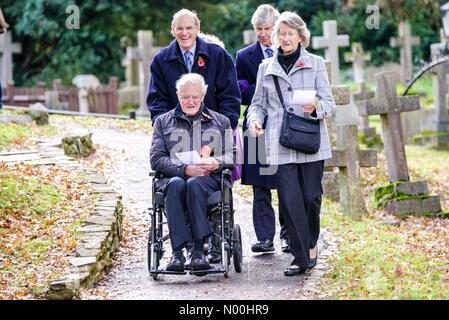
[100, 239]
[100, 233]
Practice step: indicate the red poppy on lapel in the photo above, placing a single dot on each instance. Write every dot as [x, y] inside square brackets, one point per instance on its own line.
[201, 62]
[300, 63]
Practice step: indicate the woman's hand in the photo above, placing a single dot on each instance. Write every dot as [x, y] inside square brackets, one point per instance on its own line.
[308, 109]
[255, 129]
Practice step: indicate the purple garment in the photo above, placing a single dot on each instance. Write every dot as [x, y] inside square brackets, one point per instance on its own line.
[237, 171]
[243, 85]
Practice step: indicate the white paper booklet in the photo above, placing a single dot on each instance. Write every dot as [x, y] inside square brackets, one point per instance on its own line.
[189, 157]
[303, 97]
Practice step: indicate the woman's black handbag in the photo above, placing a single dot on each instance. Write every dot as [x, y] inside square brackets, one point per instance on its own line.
[298, 133]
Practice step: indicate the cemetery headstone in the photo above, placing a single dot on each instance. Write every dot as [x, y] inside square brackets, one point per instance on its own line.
[358, 58]
[389, 106]
[84, 82]
[7, 49]
[39, 113]
[405, 42]
[347, 156]
[361, 94]
[331, 41]
[249, 37]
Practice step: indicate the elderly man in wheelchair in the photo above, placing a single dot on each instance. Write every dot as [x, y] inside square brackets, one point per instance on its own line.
[190, 148]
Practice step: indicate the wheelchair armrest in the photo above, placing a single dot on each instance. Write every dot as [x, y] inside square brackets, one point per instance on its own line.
[226, 173]
[156, 174]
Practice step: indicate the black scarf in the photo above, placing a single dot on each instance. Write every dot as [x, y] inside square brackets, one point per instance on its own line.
[287, 61]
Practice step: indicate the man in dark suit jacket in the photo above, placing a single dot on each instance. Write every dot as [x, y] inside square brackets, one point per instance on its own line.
[189, 53]
[247, 65]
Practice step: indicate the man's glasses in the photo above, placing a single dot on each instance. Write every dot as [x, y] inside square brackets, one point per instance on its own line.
[187, 98]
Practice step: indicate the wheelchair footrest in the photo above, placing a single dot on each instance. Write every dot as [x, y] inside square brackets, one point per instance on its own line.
[162, 271]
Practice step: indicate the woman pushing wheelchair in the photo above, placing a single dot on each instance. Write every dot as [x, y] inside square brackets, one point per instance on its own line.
[188, 181]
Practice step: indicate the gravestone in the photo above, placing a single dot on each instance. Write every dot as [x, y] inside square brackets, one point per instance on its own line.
[84, 82]
[389, 106]
[131, 64]
[361, 94]
[7, 49]
[358, 58]
[146, 53]
[38, 113]
[347, 157]
[331, 41]
[440, 93]
[405, 42]
[249, 37]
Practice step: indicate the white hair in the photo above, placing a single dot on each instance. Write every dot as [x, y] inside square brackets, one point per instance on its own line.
[194, 79]
[294, 21]
[264, 14]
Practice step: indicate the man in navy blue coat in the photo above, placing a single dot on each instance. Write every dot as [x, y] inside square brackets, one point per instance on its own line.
[247, 65]
[189, 53]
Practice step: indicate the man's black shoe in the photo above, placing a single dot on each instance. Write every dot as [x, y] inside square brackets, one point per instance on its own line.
[188, 264]
[263, 246]
[199, 261]
[176, 262]
[285, 246]
[214, 254]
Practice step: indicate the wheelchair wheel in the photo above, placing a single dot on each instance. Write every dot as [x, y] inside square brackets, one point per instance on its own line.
[225, 258]
[154, 255]
[237, 248]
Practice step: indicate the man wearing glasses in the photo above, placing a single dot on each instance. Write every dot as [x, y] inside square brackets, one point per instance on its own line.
[189, 53]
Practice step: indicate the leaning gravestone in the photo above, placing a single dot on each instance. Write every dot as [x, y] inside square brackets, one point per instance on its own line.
[347, 156]
[402, 196]
[78, 143]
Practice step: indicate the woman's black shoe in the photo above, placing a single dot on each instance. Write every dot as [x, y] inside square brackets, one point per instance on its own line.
[294, 271]
[312, 262]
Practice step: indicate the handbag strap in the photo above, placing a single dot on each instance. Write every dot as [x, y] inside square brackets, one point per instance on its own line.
[278, 90]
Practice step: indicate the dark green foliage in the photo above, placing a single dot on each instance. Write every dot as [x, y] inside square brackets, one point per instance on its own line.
[52, 51]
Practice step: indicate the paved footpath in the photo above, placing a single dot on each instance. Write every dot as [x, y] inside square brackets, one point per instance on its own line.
[262, 276]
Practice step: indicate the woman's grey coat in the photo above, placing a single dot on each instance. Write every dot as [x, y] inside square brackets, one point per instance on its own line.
[309, 73]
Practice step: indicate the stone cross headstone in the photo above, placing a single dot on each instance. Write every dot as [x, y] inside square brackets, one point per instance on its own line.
[405, 42]
[363, 94]
[146, 52]
[331, 41]
[7, 49]
[249, 37]
[131, 64]
[358, 58]
[440, 91]
[347, 156]
[389, 106]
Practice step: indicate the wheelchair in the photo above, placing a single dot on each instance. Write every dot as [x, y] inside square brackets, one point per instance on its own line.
[220, 213]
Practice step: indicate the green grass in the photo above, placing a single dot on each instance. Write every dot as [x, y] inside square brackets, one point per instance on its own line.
[26, 193]
[373, 263]
[11, 133]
